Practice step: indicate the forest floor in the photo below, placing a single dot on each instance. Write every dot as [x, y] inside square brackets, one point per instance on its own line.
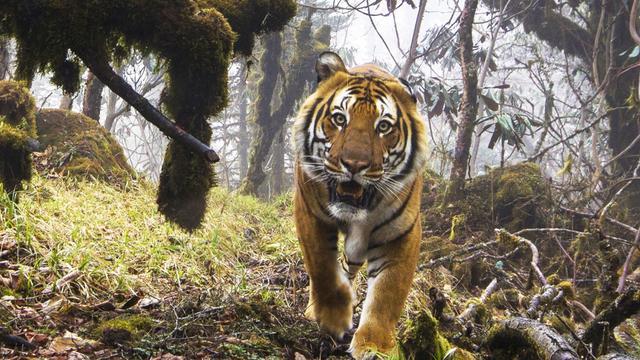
[88, 268]
[91, 270]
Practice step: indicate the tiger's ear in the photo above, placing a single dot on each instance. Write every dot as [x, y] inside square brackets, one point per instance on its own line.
[329, 63]
[409, 89]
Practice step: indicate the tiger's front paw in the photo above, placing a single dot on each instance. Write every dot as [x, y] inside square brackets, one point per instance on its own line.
[370, 340]
[333, 312]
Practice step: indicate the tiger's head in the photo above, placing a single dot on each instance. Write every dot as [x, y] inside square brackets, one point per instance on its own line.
[361, 134]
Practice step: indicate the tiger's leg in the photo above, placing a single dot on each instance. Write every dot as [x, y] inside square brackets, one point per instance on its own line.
[330, 298]
[390, 273]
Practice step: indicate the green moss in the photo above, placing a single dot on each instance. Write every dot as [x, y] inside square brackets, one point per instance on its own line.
[507, 344]
[558, 325]
[504, 299]
[482, 313]
[422, 340]
[567, 288]
[438, 246]
[457, 221]
[250, 17]
[124, 329]
[507, 241]
[80, 147]
[511, 197]
[17, 124]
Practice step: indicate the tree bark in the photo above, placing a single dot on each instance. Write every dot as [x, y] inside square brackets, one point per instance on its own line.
[66, 103]
[469, 105]
[266, 130]
[5, 59]
[92, 97]
[243, 130]
[277, 172]
[411, 57]
[545, 342]
[299, 76]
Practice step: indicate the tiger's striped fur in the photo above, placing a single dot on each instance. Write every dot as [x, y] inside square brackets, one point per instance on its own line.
[361, 147]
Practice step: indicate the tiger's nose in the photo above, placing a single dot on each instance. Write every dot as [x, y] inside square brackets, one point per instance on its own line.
[355, 166]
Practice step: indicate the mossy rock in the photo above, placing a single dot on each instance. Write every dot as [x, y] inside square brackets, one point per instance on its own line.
[421, 339]
[512, 197]
[17, 126]
[79, 147]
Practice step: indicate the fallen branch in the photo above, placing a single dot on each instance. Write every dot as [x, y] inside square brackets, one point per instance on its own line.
[583, 308]
[547, 295]
[472, 309]
[14, 341]
[623, 307]
[71, 276]
[547, 343]
[118, 85]
[615, 356]
[448, 258]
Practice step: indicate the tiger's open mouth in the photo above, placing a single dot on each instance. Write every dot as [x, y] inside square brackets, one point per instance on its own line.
[351, 193]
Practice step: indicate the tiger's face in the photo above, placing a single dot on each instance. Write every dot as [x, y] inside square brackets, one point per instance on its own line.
[359, 133]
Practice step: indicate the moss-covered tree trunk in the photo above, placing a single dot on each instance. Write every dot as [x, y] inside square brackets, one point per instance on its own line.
[92, 97]
[300, 74]
[469, 105]
[266, 128]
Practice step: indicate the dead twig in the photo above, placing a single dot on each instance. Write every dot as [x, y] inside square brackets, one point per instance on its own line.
[606, 218]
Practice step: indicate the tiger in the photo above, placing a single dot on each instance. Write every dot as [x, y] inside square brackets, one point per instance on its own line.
[360, 148]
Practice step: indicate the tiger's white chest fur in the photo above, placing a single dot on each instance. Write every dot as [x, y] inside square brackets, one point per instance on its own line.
[359, 236]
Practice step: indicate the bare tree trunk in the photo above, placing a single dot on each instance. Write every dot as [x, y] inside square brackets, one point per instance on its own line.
[5, 59]
[66, 103]
[411, 57]
[112, 100]
[92, 97]
[243, 130]
[469, 106]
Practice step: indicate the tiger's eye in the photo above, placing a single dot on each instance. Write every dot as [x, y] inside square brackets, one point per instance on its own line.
[384, 126]
[339, 120]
